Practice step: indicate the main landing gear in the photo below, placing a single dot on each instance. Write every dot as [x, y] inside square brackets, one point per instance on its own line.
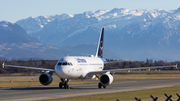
[64, 82]
[100, 85]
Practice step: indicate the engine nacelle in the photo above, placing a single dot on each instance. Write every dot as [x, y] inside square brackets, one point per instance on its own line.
[45, 78]
[106, 79]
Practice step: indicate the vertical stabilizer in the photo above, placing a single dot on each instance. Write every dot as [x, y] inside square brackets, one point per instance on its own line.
[99, 52]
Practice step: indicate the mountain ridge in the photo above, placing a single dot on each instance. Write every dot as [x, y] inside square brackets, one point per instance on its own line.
[15, 43]
[155, 30]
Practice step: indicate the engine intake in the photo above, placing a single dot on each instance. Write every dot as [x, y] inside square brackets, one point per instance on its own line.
[45, 78]
[106, 79]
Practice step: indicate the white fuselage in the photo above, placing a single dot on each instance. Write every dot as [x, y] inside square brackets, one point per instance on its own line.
[72, 67]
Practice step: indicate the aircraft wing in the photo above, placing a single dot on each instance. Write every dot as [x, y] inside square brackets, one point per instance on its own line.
[35, 68]
[115, 70]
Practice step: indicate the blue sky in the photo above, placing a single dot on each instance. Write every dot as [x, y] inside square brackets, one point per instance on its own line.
[14, 10]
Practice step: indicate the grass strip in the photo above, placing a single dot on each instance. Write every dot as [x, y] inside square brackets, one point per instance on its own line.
[144, 95]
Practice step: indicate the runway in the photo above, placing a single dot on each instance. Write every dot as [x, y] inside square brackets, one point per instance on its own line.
[51, 92]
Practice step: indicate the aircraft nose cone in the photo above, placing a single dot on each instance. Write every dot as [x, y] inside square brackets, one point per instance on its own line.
[61, 71]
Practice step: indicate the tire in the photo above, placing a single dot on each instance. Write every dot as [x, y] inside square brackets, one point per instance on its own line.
[60, 85]
[65, 86]
[99, 85]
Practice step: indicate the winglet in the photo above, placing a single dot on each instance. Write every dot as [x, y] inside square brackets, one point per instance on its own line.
[176, 66]
[3, 65]
[99, 52]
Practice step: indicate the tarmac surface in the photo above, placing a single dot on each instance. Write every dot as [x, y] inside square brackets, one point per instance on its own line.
[52, 92]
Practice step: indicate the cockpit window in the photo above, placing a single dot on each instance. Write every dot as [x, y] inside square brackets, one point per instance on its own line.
[65, 63]
[59, 63]
[69, 63]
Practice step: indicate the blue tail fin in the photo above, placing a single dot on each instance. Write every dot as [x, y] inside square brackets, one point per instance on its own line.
[99, 52]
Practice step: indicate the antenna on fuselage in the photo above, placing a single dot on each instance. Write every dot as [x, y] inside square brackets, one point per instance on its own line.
[99, 52]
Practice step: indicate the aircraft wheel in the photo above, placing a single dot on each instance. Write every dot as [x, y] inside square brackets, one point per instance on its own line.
[66, 86]
[99, 85]
[104, 87]
[60, 85]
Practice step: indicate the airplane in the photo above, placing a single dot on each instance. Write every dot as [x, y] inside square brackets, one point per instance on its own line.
[82, 67]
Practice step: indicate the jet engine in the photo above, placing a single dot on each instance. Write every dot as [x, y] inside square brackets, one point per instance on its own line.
[45, 78]
[106, 79]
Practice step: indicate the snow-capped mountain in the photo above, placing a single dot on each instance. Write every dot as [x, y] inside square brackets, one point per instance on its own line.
[135, 34]
[15, 43]
[13, 33]
[32, 24]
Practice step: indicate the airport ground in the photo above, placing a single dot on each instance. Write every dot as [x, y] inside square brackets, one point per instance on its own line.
[123, 88]
[144, 95]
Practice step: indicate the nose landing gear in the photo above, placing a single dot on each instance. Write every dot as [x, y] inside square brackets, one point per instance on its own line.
[64, 82]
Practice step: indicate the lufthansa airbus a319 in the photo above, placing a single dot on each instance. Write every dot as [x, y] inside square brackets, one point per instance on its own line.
[78, 67]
